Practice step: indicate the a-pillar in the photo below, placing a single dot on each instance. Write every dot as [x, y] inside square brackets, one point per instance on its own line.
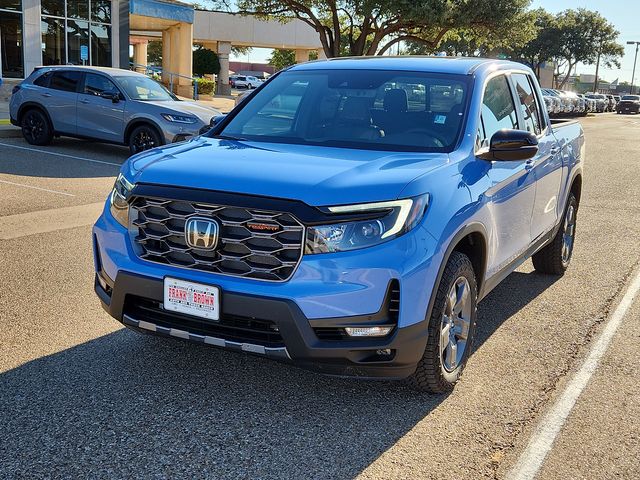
[223, 87]
[184, 52]
[166, 55]
[140, 54]
[302, 56]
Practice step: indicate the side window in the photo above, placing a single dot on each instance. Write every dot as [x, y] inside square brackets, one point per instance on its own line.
[43, 80]
[498, 110]
[65, 81]
[97, 84]
[528, 103]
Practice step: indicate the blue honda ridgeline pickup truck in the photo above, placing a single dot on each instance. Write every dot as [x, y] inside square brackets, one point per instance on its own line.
[347, 217]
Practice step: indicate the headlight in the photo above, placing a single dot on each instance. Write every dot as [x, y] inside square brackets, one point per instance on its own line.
[172, 117]
[395, 218]
[119, 200]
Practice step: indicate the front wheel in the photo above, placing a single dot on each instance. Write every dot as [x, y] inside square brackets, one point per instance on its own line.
[451, 328]
[143, 138]
[554, 259]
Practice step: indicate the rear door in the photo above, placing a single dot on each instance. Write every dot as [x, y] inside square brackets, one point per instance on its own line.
[546, 166]
[512, 192]
[100, 117]
[61, 99]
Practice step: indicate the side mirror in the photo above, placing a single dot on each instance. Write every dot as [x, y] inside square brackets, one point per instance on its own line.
[113, 96]
[216, 120]
[511, 145]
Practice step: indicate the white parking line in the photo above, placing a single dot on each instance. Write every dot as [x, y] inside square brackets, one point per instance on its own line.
[48, 152]
[37, 188]
[542, 440]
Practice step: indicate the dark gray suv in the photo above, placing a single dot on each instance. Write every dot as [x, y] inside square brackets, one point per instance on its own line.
[105, 104]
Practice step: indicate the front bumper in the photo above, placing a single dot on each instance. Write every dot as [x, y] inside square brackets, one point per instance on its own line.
[295, 338]
[326, 293]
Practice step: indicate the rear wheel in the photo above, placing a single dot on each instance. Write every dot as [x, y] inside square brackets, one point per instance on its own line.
[451, 328]
[36, 128]
[143, 138]
[555, 257]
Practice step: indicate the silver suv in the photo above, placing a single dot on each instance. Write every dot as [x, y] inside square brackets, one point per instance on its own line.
[106, 104]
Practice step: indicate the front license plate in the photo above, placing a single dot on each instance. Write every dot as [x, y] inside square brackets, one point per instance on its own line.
[192, 298]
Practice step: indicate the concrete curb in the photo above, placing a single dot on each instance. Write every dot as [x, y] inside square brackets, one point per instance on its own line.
[7, 131]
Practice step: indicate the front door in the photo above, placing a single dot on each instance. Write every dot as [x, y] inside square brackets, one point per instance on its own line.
[99, 116]
[547, 164]
[512, 192]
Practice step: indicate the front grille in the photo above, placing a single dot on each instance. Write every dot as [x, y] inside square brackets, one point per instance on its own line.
[271, 252]
[233, 328]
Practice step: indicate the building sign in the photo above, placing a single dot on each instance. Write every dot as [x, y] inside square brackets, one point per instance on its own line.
[84, 53]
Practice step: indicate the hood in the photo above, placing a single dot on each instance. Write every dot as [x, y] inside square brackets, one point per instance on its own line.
[315, 175]
[204, 113]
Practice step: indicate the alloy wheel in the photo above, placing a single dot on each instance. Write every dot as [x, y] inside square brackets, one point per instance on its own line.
[143, 141]
[33, 126]
[568, 234]
[456, 320]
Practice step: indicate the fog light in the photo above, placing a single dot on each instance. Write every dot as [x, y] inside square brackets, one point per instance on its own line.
[367, 331]
[102, 283]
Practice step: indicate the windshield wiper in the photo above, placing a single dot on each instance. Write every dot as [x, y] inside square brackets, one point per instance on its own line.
[229, 137]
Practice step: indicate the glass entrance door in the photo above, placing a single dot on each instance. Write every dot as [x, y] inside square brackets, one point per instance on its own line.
[11, 45]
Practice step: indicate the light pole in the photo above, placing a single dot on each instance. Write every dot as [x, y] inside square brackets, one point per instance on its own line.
[633, 75]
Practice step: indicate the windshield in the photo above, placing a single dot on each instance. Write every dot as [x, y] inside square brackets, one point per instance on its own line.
[631, 97]
[143, 88]
[378, 110]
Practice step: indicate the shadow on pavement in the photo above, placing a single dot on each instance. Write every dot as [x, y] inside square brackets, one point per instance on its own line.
[129, 405]
[20, 158]
[507, 299]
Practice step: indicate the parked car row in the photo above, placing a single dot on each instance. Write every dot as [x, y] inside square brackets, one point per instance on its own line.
[564, 103]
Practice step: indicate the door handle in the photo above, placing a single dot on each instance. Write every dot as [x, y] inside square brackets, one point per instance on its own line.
[46, 95]
[84, 101]
[529, 164]
[555, 150]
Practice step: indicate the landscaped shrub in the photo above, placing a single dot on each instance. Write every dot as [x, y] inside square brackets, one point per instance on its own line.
[205, 86]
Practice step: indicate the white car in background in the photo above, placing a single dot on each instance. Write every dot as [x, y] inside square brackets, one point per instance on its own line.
[245, 81]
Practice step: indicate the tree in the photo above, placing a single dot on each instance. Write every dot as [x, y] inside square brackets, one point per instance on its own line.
[586, 37]
[369, 27]
[205, 61]
[543, 46]
[154, 53]
[281, 58]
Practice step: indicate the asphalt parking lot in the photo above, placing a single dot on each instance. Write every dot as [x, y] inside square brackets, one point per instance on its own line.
[82, 397]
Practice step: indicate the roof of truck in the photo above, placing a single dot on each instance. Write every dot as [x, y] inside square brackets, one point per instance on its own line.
[454, 65]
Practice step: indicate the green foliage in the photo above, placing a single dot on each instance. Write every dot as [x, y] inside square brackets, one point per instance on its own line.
[239, 50]
[154, 53]
[281, 58]
[370, 27]
[205, 61]
[205, 86]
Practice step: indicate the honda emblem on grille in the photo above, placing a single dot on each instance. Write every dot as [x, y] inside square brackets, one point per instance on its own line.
[201, 233]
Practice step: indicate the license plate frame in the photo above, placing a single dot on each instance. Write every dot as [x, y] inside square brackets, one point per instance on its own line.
[192, 298]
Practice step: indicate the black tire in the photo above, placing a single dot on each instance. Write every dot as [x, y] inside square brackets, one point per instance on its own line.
[432, 374]
[553, 259]
[143, 138]
[36, 128]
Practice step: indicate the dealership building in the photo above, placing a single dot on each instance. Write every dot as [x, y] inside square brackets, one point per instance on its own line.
[100, 32]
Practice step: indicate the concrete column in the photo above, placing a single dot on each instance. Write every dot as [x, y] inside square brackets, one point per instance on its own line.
[174, 53]
[166, 55]
[302, 56]
[140, 54]
[321, 54]
[223, 87]
[185, 59]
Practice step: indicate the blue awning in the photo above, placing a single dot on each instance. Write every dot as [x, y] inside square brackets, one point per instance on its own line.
[160, 9]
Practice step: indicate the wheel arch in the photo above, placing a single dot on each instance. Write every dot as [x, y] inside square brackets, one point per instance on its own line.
[576, 187]
[137, 122]
[472, 241]
[25, 107]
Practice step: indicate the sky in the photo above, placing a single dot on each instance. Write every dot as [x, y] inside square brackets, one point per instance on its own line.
[623, 14]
